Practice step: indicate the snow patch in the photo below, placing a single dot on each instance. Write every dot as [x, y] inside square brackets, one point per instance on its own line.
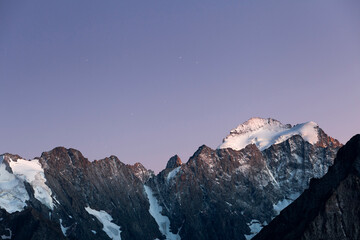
[266, 132]
[110, 228]
[298, 159]
[280, 205]
[272, 176]
[162, 221]
[93, 231]
[32, 172]
[9, 236]
[56, 201]
[255, 227]
[63, 229]
[173, 173]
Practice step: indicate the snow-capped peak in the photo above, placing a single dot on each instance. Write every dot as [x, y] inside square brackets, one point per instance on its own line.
[264, 132]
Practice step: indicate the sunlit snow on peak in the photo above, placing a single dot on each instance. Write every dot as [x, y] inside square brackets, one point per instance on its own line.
[265, 132]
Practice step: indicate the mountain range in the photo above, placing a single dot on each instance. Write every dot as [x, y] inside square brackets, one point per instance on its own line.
[231, 192]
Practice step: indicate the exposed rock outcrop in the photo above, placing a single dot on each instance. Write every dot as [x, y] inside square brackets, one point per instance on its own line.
[173, 162]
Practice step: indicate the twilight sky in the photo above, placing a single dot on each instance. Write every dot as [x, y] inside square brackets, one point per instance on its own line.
[144, 80]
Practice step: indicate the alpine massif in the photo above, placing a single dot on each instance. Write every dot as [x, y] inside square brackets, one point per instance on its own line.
[226, 193]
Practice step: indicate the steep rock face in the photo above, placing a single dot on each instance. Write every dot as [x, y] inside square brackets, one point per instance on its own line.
[329, 209]
[107, 185]
[227, 194]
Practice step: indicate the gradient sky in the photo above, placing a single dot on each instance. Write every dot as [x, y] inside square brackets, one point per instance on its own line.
[144, 80]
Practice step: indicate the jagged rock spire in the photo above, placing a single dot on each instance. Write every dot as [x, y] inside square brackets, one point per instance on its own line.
[174, 162]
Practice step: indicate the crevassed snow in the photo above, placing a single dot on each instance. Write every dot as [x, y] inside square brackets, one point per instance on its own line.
[173, 173]
[110, 228]
[12, 191]
[32, 172]
[279, 206]
[266, 132]
[63, 229]
[162, 221]
[255, 227]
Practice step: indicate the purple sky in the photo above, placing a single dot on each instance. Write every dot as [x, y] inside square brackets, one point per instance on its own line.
[144, 80]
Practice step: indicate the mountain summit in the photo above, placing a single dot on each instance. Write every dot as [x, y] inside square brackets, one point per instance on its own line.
[264, 132]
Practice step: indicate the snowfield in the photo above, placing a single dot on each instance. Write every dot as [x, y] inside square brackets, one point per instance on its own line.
[162, 221]
[13, 195]
[173, 173]
[110, 228]
[12, 191]
[32, 172]
[266, 132]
